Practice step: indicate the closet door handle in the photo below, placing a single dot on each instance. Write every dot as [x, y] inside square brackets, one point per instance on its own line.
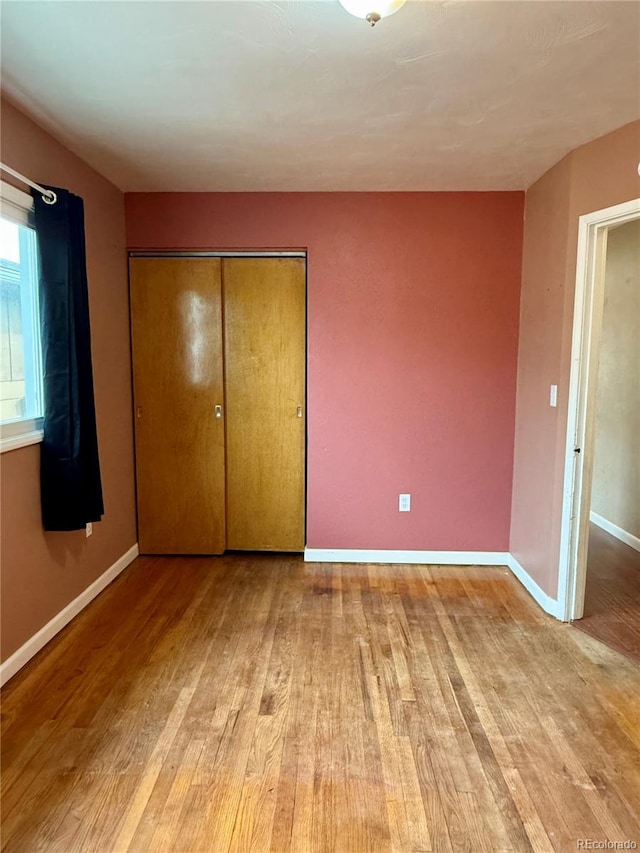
[218, 411]
[299, 412]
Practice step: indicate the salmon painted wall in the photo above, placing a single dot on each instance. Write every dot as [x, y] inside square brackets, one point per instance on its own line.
[43, 572]
[546, 236]
[597, 175]
[413, 305]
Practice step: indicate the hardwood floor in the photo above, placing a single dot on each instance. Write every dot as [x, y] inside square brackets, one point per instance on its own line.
[612, 596]
[259, 703]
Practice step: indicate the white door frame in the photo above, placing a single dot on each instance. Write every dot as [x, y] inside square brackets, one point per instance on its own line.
[585, 351]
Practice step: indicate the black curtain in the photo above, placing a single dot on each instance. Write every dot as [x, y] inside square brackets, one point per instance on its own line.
[71, 490]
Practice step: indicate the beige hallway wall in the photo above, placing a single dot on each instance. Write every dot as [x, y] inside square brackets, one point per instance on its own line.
[616, 474]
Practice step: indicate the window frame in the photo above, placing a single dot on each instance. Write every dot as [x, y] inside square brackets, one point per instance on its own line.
[18, 206]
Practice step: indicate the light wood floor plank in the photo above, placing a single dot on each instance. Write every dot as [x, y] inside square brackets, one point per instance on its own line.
[258, 703]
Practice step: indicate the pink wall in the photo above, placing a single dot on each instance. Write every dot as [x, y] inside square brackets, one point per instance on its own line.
[43, 572]
[413, 305]
[597, 175]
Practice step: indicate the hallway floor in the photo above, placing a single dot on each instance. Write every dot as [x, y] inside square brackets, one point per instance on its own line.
[612, 600]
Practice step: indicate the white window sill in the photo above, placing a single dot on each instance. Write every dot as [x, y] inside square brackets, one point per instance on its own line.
[20, 434]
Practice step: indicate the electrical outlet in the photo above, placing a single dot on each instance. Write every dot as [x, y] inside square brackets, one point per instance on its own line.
[89, 529]
[404, 503]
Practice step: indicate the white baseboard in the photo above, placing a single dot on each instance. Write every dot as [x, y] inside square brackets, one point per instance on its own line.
[24, 654]
[614, 530]
[548, 604]
[439, 558]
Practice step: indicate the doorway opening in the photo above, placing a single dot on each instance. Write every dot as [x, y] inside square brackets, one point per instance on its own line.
[584, 420]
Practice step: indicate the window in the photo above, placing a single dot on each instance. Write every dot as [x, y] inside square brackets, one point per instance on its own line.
[20, 357]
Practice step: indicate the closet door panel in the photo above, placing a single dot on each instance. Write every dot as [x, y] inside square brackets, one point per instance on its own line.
[264, 338]
[176, 322]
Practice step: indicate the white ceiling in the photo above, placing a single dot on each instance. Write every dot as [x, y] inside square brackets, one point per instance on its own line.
[299, 95]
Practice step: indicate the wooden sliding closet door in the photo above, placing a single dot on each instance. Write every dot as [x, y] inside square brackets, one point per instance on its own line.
[176, 322]
[264, 341]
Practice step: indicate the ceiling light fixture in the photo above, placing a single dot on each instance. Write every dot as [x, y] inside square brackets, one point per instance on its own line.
[372, 10]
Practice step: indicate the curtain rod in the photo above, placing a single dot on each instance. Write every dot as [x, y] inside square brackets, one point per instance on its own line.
[48, 196]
